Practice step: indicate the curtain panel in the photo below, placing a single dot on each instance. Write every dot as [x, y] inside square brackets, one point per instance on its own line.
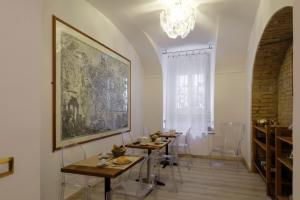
[189, 92]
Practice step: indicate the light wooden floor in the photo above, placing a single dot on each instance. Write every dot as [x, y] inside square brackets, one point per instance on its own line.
[203, 182]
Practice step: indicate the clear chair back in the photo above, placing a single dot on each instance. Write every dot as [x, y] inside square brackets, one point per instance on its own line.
[72, 154]
[127, 138]
[232, 133]
[174, 146]
[188, 136]
[146, 132]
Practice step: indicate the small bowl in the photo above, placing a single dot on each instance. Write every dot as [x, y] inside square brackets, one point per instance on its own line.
[154, 137]
[118, 152]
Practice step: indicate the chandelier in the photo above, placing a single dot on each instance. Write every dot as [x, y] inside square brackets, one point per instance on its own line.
[178, 18]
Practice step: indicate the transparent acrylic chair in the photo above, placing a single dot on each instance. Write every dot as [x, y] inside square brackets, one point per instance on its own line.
[173, 162]
[231, 135]
[141, 188]
[128, 138]
[72, 181]
[146, 132]
[186, 147]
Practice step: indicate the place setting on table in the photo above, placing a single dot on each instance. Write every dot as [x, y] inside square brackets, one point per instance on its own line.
[106, 165]
[150, 143]
[166, 135]
[169, 134]
[155, 141]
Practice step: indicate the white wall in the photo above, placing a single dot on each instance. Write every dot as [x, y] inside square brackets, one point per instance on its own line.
[296, 112]
[153, 103]
[19, 105]
[265, 11]
[86, 18]
[230, 97]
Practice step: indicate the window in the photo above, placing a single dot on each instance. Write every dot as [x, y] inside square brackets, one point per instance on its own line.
[188, 92]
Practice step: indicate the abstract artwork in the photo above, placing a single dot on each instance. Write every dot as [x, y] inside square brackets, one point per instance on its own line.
[91, 88]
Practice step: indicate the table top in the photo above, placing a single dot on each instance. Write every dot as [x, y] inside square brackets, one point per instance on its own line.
[148, 145]
[169, 135]
[89, 167]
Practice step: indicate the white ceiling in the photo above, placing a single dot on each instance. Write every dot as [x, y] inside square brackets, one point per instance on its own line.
[226, 23]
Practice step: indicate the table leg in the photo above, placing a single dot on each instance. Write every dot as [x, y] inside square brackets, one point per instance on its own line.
[166, 162]
[167, 147]
[148, 165]
[158, 182]
[107, 188]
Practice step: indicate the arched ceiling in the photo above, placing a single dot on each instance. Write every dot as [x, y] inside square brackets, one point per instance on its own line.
[226, 23]
[276, 39]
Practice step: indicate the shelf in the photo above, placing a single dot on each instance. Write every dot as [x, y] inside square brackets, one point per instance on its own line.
[261, 129]
[284, 183]
[259, 143]
[282, 198]
[286, 162]
[260, 172]
[288, 140]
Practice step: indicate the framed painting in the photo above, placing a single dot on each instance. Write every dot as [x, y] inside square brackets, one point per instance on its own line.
[91, 88]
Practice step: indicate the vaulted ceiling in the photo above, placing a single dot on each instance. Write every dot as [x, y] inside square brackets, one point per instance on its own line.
[225, 23]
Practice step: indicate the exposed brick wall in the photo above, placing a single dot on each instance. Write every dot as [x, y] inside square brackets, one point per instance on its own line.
[265, 81]
[272, 75]
[285, 90]
[272, 84]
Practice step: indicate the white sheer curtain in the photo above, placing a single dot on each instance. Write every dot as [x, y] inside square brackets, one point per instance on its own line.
[188, 93]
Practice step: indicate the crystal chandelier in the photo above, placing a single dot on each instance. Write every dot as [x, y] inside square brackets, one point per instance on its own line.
[178, 19]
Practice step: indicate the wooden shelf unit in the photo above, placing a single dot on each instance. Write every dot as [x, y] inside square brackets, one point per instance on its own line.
[263, 175]
[286, 139]
[263, 143]
[286, 162]
[284, 146]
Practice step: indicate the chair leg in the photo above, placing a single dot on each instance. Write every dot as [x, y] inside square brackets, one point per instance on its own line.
[62, 187]
[173, 175]
[179, 171]
[108, 196]
[190, 154]
[86, 189]
[154, 193]
[62, 191]
[158, 170]
[85, 193]
[210, 159]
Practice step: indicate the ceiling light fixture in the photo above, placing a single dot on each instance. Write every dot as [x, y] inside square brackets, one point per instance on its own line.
[178, 18]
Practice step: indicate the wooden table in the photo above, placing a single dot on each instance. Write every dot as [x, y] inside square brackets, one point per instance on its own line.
[149, 146]
[168, 135]
[89, 167]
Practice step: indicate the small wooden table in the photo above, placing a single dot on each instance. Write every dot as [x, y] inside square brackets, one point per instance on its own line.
[89, 167]
[149, 146]
[168, 135]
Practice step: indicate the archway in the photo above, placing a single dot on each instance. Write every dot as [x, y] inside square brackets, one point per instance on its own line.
[272, 100]
[272, 91]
